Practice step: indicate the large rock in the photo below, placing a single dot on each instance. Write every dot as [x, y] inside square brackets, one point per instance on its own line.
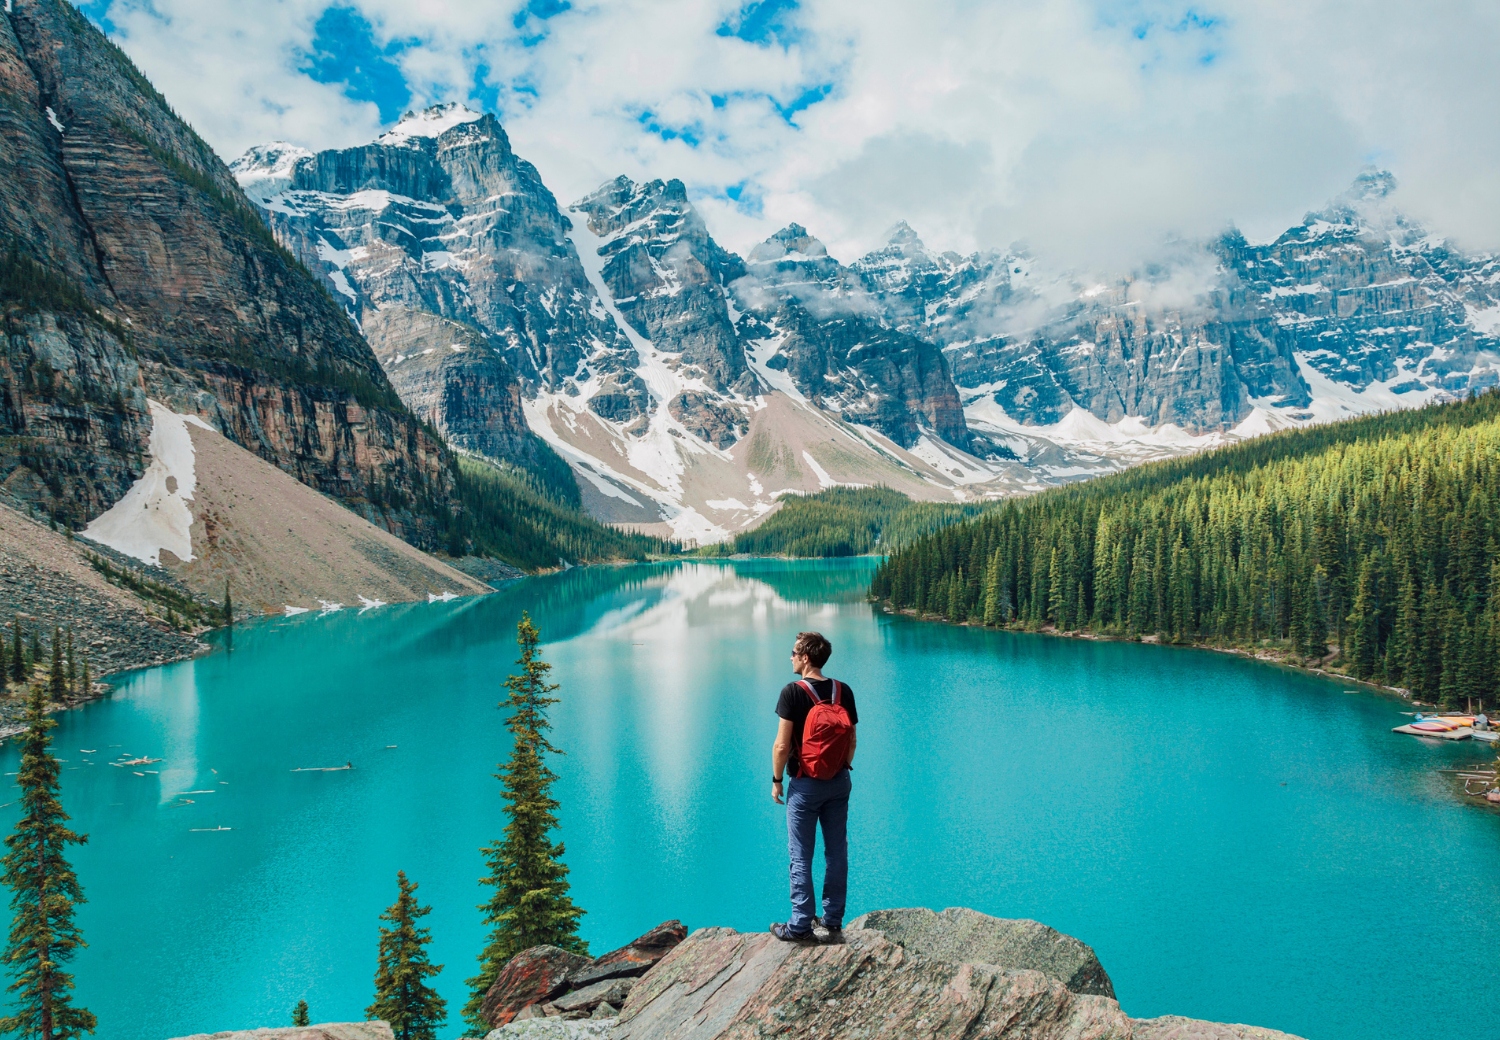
[960, 934]
[532, 976]
[633, 959]
[722, 983]
[553, 1029]
[327, 1031]
[1174, 1027]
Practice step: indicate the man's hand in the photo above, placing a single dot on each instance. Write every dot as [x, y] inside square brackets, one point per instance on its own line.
[776, 792]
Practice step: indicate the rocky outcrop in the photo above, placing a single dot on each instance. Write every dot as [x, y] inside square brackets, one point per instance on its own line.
[328, 1031]
[722, 983]
[1173, 1027]
[960, 934]
[547, 982]
[533, 976]
[144, 270]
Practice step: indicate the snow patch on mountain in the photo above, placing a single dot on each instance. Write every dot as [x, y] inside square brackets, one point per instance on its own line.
[430, 122]
[154, 516]
[266, 170]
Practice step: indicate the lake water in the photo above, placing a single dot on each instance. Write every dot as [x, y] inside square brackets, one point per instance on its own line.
[1238, 842]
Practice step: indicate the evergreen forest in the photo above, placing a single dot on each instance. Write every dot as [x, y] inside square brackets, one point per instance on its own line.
[844, 521]
[509, 514]
[1370, 545]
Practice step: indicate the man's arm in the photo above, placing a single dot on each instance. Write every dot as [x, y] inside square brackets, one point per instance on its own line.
[781, 753]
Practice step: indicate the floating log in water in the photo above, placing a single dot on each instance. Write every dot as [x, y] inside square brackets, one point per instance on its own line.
[324, 769]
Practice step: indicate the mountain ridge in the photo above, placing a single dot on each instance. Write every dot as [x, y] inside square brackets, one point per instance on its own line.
[962, 376]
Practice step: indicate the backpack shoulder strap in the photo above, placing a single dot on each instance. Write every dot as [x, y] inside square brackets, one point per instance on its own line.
[813, 693]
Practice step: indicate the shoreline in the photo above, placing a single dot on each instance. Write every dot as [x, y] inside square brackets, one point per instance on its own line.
[1264, 655]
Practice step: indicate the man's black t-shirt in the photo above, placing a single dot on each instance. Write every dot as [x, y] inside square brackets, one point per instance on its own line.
[794, 704]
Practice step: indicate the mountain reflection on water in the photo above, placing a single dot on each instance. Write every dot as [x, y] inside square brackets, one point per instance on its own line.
[1238, 842]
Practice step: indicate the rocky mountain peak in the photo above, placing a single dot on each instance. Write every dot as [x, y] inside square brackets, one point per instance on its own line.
[430, 123]
[905, 238]
[667, 276]
[267, 169]
[791, 243]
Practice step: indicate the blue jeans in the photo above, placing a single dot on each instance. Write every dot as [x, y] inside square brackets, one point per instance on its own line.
[810, 802]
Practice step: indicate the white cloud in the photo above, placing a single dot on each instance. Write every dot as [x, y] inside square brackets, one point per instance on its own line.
[1092, 131]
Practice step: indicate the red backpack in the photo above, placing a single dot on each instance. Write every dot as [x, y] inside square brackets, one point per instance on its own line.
[825, 735]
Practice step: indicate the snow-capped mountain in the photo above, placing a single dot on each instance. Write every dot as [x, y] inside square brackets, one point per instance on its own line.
[614, 335]
[687, 386]
[453, 257]
[1356, 309]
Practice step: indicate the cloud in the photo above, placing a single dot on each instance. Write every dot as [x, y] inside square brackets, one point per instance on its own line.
[1094, 131]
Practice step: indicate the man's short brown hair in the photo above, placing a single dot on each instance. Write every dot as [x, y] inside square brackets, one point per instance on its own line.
[814, 647]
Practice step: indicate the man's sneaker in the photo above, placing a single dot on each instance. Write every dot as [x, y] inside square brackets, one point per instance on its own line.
[785, 934]
[832, 936]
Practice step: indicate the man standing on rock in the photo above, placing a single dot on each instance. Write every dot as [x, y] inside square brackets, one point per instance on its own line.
[815, 743]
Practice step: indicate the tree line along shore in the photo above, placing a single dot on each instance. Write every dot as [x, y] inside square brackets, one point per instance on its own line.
[1369, 547]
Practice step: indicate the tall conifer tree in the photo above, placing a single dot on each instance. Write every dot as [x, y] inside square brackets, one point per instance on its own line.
[17, 654]
[44, 892]
[531, 905]
[300, 1015]
[57, 685]
[403, 999]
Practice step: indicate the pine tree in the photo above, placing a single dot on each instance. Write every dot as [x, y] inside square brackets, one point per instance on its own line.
[72, 662]
[228, 605]
[17, 655]
[33, 653]
[403, 1000]
[86, 683]
[300, 1016]
[4, 667]
[44, 892]
[531, 906]
[57, 684]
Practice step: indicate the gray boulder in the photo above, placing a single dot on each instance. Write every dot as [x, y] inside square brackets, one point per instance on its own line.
[721, 984]
[327, 1031]
[967, 936]
[1174, 1027]
[553, 1029]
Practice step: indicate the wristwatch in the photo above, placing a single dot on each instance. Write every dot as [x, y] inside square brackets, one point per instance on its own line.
[775, 779]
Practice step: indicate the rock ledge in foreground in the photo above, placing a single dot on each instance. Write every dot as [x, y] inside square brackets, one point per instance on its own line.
[967, 936]
[327, 1031]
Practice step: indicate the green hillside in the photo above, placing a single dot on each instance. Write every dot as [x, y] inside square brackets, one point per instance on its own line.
[510, 514]
[848, 522]
[1372, 542]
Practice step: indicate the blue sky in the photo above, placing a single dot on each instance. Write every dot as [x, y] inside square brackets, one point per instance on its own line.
[1096, 129]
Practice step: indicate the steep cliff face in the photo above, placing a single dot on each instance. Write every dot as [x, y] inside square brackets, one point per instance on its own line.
[667, 277]
[440, 217]
[158, 277]
[813, 318]
[453, 376]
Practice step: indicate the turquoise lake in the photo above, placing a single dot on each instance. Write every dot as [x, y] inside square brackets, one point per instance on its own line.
[1238, 842]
